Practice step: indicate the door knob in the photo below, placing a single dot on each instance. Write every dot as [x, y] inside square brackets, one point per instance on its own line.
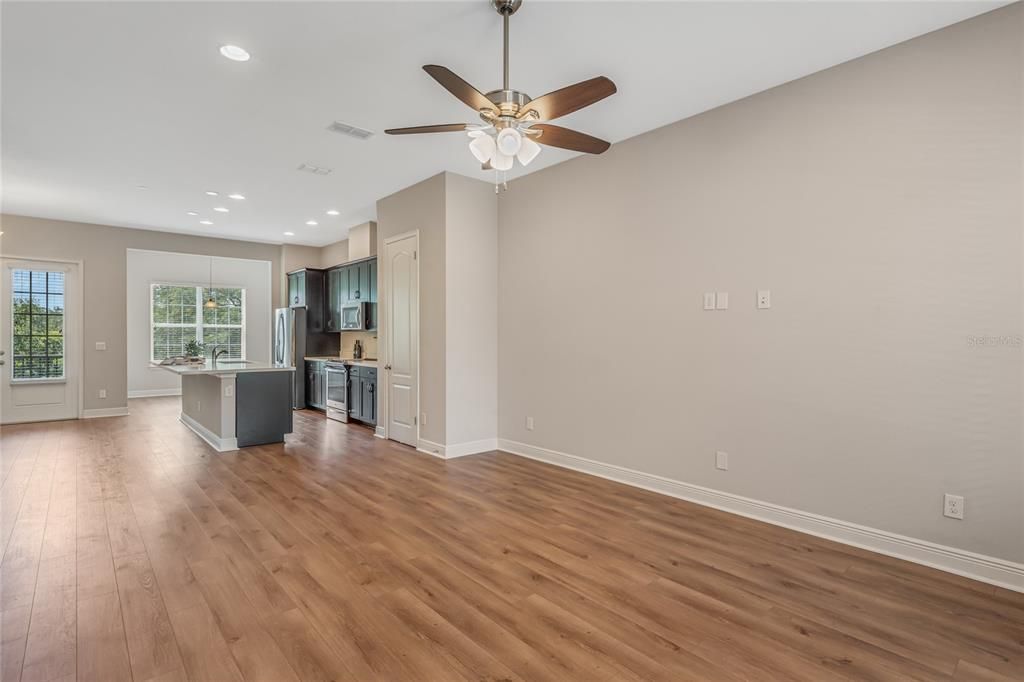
[387, 367]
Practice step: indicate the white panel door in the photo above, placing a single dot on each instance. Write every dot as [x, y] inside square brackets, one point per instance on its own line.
[39, 356]
[401, 281]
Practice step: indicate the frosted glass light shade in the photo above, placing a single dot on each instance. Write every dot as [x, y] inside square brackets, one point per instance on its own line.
[509, 141]
[528, 151]
[502, 162]
[482, 147]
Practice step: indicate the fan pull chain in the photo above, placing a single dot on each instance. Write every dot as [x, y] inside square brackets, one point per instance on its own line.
[500, 185]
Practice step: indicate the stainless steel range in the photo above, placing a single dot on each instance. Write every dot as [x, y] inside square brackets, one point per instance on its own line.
[337, 391]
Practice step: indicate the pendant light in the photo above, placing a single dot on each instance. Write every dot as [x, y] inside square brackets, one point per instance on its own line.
[210, 303]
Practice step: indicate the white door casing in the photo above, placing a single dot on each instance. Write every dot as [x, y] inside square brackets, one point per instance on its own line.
[41, 399]
[401, 302]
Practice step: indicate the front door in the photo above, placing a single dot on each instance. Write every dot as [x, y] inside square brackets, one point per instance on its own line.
[39, 318]
[402, 302]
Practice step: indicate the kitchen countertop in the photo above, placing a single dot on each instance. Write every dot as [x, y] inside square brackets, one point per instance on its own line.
[365, 362]
[223, 367]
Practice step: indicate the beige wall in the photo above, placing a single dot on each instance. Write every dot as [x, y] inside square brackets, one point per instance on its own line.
[422, 207]
[103, 252]
[471, 305]
[334, 254]
[880, 202]
[457, 222]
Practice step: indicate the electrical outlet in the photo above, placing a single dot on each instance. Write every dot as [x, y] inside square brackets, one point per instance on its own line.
[229, 390]
[953, 506]
[764, 299]
[199, 406]
[101, 345]
[722, 460]
[529, 423]
[103, 393]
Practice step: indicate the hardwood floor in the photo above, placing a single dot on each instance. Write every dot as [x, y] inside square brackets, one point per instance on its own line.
[133, 551]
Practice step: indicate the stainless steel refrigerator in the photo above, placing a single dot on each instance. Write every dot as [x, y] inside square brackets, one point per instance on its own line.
[293, 342]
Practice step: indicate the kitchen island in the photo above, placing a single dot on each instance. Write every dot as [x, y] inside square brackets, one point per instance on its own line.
[232, 404]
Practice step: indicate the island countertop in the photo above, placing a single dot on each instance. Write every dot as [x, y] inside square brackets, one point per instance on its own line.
[223, 367]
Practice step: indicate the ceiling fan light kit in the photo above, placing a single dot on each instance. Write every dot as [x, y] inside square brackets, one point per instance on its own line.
[513, 123]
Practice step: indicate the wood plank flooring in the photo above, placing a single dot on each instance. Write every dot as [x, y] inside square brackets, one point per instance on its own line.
[131, 551]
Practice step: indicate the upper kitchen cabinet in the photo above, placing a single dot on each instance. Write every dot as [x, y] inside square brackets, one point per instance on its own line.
[359, 287]
[297, 289]
[306, 290]
[352, 283]
[337, 291]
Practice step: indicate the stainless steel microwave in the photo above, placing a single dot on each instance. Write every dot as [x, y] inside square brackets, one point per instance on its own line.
[355, 315]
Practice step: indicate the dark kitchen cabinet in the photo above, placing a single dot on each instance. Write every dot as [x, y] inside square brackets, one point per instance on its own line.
[337, 280]
[297, 289]
[362, 387]
[316, 385]
[306, 290]
[356, 282]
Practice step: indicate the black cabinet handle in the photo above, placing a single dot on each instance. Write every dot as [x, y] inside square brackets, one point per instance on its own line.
[357, 293]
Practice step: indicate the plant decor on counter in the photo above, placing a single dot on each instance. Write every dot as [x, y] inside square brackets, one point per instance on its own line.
[194, 350]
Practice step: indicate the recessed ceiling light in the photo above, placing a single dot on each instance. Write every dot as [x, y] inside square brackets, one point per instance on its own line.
[333, 212]
[211, 193]
[312, 222]
[191, 213]
[220, 209]
[234, 53]
[289, 234]
[206, 222]
[236, 197]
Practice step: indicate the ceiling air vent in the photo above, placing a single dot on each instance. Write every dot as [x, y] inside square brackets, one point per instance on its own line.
[315, 170]
[351, 131]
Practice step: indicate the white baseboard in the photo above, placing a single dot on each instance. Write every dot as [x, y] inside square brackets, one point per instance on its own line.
[213, 440]
[105, 412]
[471, 448]
[430, 448]
[154, 392]
[458, 449]
[986, 569]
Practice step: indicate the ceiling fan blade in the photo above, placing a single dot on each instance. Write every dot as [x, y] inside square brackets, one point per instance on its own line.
[460, 88]
[557, 136]
[569, 99]
[446, 128]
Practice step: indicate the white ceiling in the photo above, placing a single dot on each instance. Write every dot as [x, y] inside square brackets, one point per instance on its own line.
[101, 97]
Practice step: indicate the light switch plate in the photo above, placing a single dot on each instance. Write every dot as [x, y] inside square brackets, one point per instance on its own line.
[722, 300]
[764, 299]
[722, 460]
[709, 300]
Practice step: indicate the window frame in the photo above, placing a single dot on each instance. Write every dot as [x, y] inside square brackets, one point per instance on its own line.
[198, 325]
[63, 378]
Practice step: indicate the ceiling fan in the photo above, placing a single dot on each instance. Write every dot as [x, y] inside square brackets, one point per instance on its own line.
[512, 123]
